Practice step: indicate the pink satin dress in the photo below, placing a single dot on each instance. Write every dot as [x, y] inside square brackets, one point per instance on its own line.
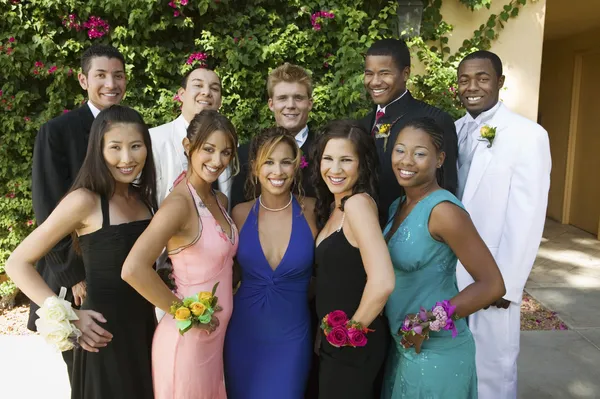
[191, 366]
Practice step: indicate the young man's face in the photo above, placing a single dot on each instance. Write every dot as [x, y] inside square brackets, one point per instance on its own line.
[202, 91]
[478, 85]
[383, 79]
[290, 105]
[105, 82]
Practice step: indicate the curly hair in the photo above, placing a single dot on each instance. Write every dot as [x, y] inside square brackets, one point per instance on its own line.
[261, 147]
[368, 164]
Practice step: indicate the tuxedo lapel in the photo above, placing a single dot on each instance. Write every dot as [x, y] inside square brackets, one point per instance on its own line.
[482, 157]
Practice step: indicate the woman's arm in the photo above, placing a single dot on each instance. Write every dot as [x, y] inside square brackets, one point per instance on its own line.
[452, 225]
[137, 270]
[68, 216]
[362, 217]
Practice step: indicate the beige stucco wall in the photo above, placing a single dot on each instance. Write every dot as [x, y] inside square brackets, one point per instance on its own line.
[555, 105]
[519, 46]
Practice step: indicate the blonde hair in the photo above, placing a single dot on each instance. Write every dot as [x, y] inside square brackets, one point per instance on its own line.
[289, 73]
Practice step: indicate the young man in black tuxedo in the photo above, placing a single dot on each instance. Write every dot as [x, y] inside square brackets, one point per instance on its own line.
[387, 68]
[59, 151]
[290, 99]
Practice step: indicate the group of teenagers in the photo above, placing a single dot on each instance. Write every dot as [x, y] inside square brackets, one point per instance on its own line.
[377, 218]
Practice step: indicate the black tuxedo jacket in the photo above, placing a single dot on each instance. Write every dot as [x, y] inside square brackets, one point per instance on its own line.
[59, 151]
[410, 108]
[237, 189]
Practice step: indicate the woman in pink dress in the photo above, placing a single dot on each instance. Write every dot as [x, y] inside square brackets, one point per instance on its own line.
[201, 240]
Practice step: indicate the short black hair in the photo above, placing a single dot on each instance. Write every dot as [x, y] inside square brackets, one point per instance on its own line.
[99, 50]
[395, 48]
[186, 77]
[485, 55]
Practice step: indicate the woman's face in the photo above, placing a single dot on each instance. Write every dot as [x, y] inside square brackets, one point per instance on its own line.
[124, 152]
[210, 159]
[276, 174]
[415, 158]
[339, 166]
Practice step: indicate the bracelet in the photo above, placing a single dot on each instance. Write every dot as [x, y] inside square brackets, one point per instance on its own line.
[195, 310]
[55, 322]
[339, 331]
[441, 317]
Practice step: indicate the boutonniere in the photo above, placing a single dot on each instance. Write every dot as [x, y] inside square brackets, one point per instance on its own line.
[383, 131]
[303, 161]
[488, 133]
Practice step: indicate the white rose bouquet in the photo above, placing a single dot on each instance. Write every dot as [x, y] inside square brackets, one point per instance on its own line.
[55, 322]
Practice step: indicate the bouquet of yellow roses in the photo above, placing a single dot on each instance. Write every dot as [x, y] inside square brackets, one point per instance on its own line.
[197, 311]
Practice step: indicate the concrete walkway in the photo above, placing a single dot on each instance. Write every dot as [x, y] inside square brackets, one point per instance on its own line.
[566, 279]
[553, 364]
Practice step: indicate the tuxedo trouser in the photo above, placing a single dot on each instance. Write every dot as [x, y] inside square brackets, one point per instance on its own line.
[497, 333]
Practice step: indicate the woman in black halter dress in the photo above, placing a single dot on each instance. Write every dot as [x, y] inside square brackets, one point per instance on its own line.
[108, 207]
[354, 270]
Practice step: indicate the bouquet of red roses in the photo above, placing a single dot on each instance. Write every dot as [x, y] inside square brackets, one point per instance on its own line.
[339, 331]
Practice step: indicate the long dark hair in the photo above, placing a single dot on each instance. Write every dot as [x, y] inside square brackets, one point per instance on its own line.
[261, 147]
[368, 164]
[434, 130]
[94, 174]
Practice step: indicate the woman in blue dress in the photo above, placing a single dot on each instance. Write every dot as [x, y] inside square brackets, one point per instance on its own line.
[427, 230]
[268, 347]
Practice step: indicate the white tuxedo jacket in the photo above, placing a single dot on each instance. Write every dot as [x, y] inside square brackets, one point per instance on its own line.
[506, 195]
[170, 159]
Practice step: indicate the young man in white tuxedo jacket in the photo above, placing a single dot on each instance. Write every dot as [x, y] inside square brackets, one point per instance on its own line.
[200, 89]
[503, 183]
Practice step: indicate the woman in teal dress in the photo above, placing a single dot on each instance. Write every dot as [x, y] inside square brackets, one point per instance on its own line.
[427, 230]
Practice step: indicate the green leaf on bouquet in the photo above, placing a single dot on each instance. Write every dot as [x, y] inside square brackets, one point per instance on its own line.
[205, 318]
[183, 325]
[214, 290]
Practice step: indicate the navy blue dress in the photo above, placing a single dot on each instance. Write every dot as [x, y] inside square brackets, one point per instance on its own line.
[268, 345]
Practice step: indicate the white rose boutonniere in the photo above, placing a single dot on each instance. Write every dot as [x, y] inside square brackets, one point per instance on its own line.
[488, 133]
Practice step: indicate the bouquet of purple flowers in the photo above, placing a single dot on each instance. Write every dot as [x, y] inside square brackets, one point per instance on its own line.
[440, 317]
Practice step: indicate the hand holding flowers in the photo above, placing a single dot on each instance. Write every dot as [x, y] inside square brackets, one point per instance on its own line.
[339, 331]
[197, 311]
[416, 327]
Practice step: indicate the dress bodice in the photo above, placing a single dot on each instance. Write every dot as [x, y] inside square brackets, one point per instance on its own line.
[209, 255]
[280, 294]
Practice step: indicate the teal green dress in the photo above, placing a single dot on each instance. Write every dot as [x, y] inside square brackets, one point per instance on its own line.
[425, 271]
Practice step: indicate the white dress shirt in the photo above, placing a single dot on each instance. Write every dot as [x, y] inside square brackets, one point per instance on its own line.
[95, 111]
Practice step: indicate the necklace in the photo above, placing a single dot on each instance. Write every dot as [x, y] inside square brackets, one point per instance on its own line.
[274, 210]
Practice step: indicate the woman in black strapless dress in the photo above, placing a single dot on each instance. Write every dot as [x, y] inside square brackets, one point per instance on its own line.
[354, 270]
[110, 204]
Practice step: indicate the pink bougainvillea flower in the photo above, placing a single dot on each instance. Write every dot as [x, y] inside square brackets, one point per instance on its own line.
[30, 222]
[65, 111]
[9, 50]
[11, 39]
[27, 119]
[183, 2]
[176, 98]
[236, 39]
[10, 195]
[326, 64]
[172, 4]
[39, 64]
[69, 72]
[97, 27]
[52, 69]
[175, 13]
[197, 57]
[1, 93]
